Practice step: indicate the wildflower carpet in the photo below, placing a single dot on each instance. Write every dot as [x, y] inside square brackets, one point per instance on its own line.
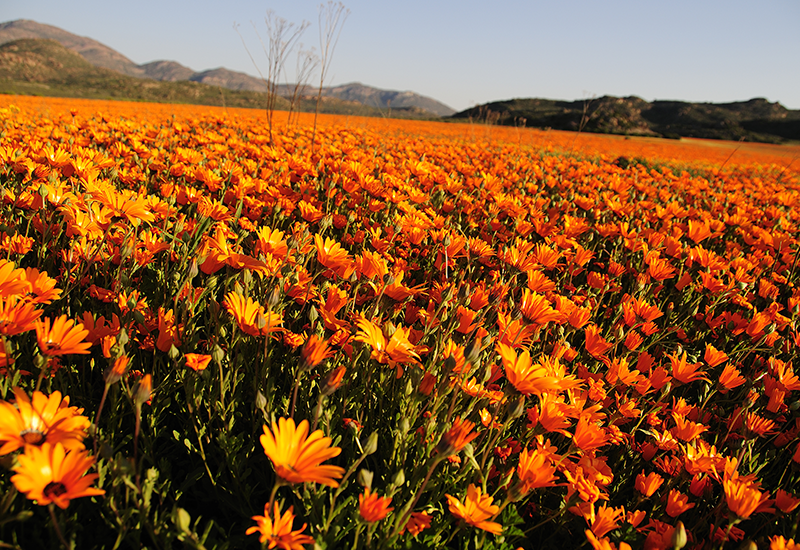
[391, 334]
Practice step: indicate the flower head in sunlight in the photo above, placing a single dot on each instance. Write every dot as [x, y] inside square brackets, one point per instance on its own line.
[476, 510]
[51, 474]
[372, 507]
[276, 529]
[39, 420]
[61, 337]
[298, 456]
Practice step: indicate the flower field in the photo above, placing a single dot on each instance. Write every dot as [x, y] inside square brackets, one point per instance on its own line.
[391, 334]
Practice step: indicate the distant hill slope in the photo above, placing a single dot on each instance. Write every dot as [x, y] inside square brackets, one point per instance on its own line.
[753, 120]
[45, 67]
[375, 97]
[93, 51]
[171, 71]
[403, 103]
[36, 66]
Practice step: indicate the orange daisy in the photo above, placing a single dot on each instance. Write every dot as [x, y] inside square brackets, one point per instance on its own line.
[535, 470]
[17, 316]
[371, 507]
[43, 419]
[197, 361]
[418, 522]
[296, 455]
[250, 316]
[527, 377]
[476, 509]
[51, 474]
[62, 337]
[457, 437]
[277, 530]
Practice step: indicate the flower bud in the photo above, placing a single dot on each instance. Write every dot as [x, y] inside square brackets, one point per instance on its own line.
[515, 409]
[372, 444]
[261, 401]
[399, 478]
[427, 384]
[333, 381]
[217, 354]
[116, 371]
[679, 539]
[365, 478]
[142, 390]
[193, 270]
[122, 337]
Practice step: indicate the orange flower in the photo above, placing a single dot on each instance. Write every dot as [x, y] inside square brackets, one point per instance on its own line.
[730, 378]
[637, 312]
[588, 435]
[397, 351]
[742, 496]
[526, 376]
[12, 279]
[604, 543]
[660, 269]
[51, 474]
[197, 361]
[713, 356]
[315, 351]
[372, 507]
[596, 345]
[606, 519]
[457, 437]
[277, 530]
[535, 471]
[538, 310]
[17, 316]
[41, 420]
[647, 485]
[786, 502]
[333, 380]
[686, 430]
[333, 256]
[115, 372]
[677, 503]
[758, 425]
[778, 542]
[168, 332]
[476, 509]
[684, 372]
[296, 455]
[62, 338]
[418, 522]
[250, 316]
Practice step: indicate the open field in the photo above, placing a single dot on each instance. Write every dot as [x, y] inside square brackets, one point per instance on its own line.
[391, 334]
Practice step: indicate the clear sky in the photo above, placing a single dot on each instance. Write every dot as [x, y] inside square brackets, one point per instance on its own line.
[464, 52]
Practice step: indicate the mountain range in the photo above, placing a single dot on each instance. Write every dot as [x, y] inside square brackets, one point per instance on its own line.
[102, 56]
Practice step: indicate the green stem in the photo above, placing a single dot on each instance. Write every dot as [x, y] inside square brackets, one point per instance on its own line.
[56, 526]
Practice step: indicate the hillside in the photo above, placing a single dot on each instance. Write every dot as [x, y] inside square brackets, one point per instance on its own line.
[350, 95]
[91, 50]
[753, 120]
[45, 67]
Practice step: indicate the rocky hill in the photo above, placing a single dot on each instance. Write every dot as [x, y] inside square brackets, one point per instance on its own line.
[753, 120]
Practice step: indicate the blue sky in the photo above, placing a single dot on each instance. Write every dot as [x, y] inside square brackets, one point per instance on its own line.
[464, 52]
